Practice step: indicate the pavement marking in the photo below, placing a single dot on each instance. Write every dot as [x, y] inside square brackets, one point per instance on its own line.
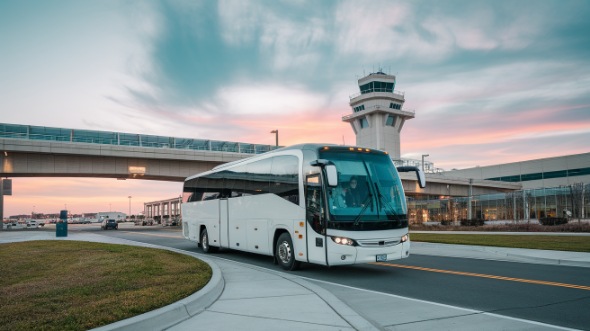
[471, 274]
[151, 234]
[468, 311]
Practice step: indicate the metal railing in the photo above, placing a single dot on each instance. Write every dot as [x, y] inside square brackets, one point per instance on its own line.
[378, 107]
[30, 132]
[377, 90]
[429, 167]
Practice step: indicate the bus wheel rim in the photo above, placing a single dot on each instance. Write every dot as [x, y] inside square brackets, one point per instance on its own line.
[204, 242]
[285, 252]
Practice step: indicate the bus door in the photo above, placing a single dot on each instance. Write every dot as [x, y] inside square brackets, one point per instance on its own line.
[316, 222]
[223, 223]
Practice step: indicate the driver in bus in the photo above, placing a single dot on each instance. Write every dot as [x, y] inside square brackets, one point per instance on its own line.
[353, 194]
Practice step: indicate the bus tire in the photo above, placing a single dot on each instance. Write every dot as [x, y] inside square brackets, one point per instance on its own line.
[205, 242]
[284, 253]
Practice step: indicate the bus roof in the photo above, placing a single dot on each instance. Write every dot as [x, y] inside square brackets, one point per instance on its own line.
[301, 147]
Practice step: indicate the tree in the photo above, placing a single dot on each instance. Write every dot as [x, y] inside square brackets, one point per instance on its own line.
[577, 197]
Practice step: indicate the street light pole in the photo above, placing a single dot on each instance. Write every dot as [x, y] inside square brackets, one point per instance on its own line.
[276, 132]
[423, 156]
[129, 216]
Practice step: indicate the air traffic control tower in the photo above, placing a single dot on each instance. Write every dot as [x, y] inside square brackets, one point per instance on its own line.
[377, 117]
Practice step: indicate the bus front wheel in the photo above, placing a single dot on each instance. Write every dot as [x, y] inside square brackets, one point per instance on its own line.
[285, 254]
[205, 243]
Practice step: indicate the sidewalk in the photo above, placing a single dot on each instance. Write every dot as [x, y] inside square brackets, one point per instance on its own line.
[245, 297]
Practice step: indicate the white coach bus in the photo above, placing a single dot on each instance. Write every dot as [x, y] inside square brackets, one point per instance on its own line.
[301, 204]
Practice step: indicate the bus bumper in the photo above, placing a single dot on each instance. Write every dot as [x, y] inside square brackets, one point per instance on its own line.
[343, 255]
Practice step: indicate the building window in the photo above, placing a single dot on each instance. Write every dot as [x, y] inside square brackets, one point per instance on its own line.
[359, 108]
[377, 87]
[364, 123]
[390, 121]
[395, 106]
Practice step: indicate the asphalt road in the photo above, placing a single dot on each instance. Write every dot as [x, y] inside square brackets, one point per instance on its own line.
[504, 288]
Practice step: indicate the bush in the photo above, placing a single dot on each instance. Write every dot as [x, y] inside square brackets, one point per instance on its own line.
[553, 220]
[446, 222]
[472, 222]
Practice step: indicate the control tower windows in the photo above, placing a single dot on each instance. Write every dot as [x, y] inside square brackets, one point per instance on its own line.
[390, 121]
[377, 87]
[359, 108]
[364, 123]
[395, 106]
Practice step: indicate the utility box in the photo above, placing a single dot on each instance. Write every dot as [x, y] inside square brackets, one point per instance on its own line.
[61, 227]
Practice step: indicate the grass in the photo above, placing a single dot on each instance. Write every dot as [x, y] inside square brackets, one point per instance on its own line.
[558, 243]
[508, 227]
[72, 285]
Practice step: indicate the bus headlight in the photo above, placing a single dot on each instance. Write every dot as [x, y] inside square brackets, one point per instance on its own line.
[344, 241]
[405, 238]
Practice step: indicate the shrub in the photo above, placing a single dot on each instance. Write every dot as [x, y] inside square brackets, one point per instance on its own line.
[472, 222]
[553, 220]
[446, 222]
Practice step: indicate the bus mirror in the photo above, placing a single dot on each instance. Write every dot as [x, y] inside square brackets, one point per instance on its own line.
[332, 175]
[419, 174]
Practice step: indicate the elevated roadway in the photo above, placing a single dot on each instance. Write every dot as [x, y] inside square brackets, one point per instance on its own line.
[33, 151]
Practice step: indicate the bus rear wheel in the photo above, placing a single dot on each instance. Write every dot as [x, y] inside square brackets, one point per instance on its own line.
[285, 254]
[205, 243]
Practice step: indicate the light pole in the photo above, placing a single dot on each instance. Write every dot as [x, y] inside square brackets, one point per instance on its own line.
[423, 156]
[129, 206]
[276, 132]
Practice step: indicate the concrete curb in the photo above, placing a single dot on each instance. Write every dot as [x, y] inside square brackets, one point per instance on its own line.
[545, 260]
[165, 317]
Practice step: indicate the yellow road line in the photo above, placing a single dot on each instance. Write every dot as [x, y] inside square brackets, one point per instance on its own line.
[471, 274]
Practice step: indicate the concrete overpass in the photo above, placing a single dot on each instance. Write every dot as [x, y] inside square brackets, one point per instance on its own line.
[57, 152]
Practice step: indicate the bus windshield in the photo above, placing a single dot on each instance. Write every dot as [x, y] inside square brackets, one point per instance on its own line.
[369, 195]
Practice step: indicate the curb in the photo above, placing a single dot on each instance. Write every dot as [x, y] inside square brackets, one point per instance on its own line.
[167, 316]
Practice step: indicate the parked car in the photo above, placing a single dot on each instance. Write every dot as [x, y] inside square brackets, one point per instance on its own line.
[144, 222]
[14, 225]
[33, 224]
[109, 224]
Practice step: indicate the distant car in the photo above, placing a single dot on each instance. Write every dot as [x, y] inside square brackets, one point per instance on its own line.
[109, 224]
[15, 225]
[33, 224]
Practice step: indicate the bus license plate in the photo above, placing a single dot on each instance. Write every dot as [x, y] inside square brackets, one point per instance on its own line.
[381, 257]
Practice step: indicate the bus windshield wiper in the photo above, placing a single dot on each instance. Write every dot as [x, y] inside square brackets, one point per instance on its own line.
[365, 205]
[383, 201]
[378, 200]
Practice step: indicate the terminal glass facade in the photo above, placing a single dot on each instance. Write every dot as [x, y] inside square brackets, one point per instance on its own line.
[531, 204]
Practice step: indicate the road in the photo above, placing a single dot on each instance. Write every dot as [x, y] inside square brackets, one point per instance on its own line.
[556, 295]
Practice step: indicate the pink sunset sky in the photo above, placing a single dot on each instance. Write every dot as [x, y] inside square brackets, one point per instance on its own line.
[490, 82]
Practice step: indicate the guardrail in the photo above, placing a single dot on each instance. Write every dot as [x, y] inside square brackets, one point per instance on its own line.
[377, 90]
[30, 132]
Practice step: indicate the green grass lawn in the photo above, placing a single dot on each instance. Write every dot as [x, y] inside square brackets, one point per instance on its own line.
[72, 285]
[557, 243]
